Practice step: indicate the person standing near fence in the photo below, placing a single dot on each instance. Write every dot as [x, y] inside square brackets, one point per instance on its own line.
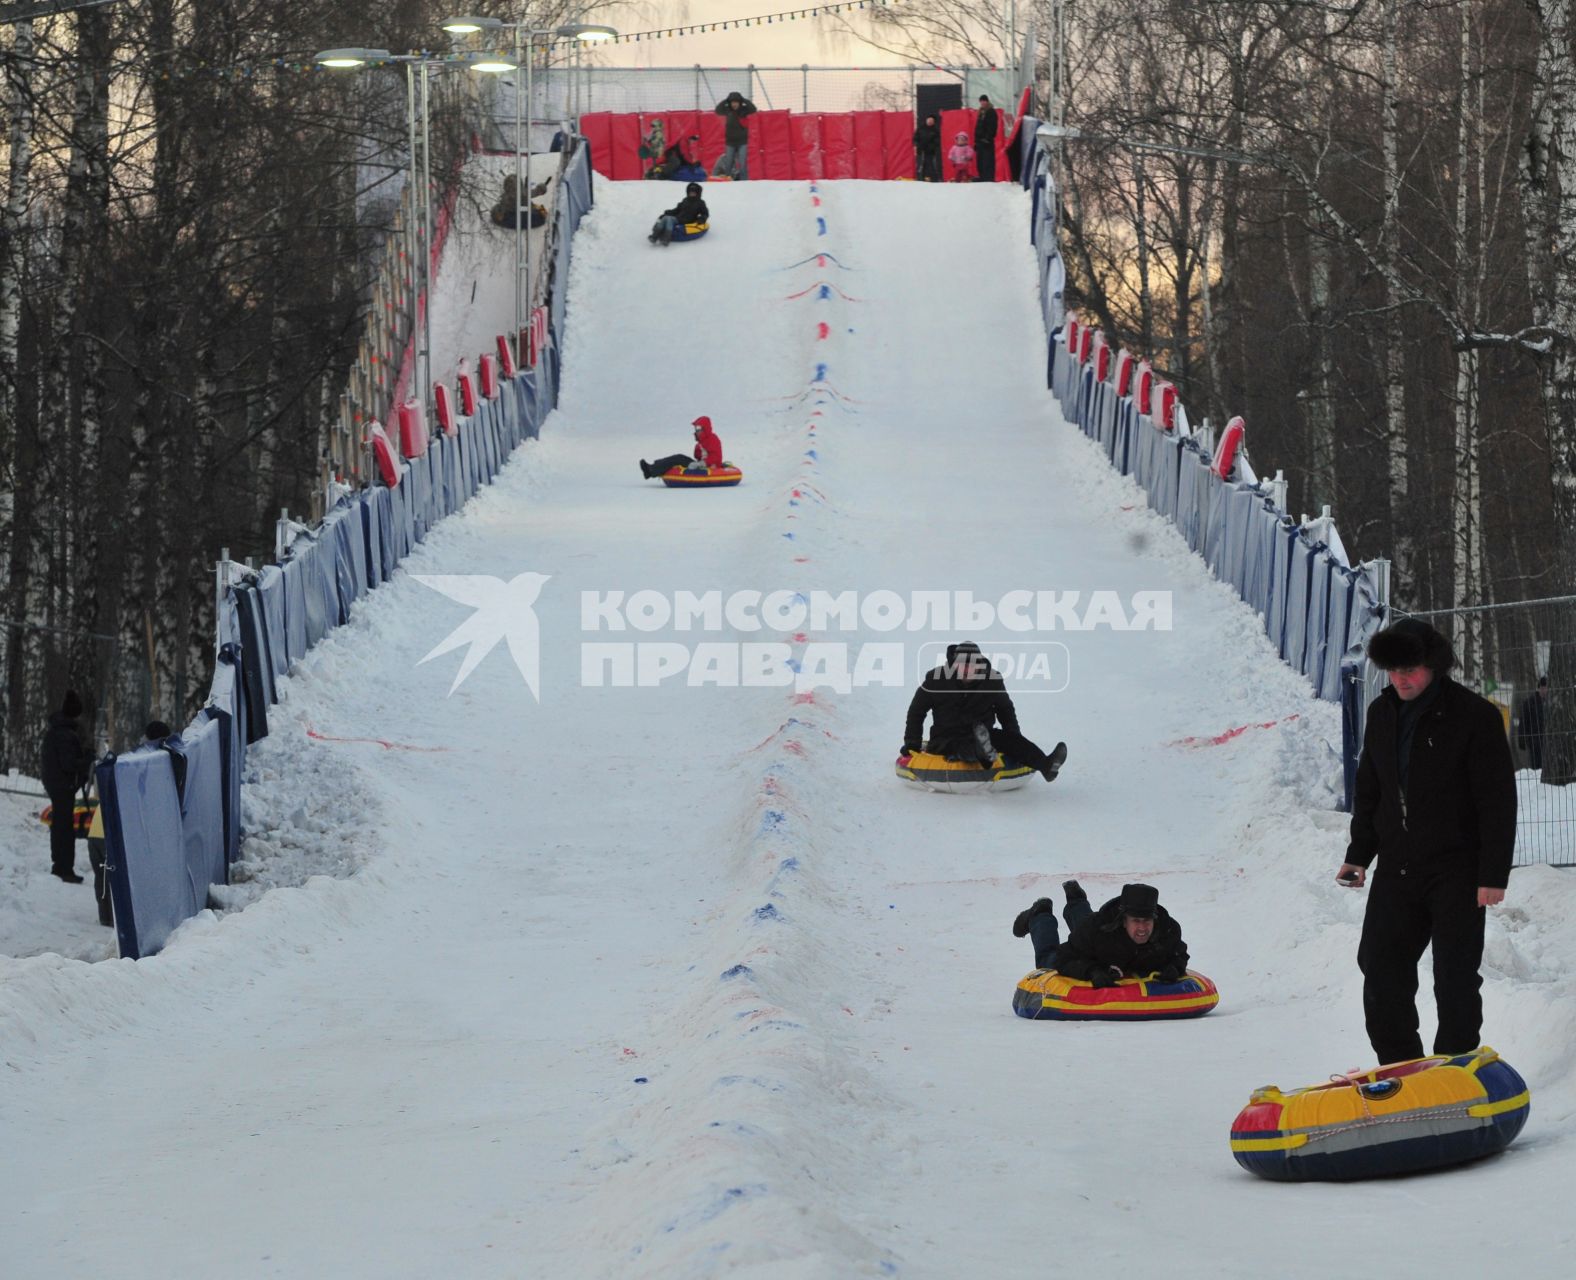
[986, 123]
[1530, 723]
[736, 137]
[1435, 803]
[927, 151]
[65, 761]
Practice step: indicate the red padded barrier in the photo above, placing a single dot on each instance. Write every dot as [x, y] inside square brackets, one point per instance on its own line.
[467, 382]
[445, 402]
[712, 128]
[505, 356]
[1168, 406]
[897, 140]
[869, 145]
[624, 145]
[489, 371]
[771, 146]
[1124, 372]
[837, 145]
[1146, 382]
[597, 129]
[383, 455]
[807, 154]
[1102, 359]
[412, 429]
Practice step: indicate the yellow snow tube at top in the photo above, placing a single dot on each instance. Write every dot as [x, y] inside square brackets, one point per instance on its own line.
[936, 773]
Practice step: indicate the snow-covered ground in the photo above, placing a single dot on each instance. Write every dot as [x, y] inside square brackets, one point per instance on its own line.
[680, 981]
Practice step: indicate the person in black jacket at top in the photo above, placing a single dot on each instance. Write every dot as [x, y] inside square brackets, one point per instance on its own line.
[966, 700]
[736, 138]
[65, 764]
[1131, 936]
[690, 209]
[985, 126]
[927, 151]
[1435, 803]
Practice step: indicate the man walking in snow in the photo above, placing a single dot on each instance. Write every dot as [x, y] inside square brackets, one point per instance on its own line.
[65, 764]
[1131, 936]
[986, 123]
[1435, 803]
[966, 700]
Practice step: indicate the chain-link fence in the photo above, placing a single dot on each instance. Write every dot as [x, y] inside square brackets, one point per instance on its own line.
[1522, 657]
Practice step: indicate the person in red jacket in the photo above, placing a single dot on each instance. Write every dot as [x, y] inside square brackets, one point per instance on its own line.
[708, 453]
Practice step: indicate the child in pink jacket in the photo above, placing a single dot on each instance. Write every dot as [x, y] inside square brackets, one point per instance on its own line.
[962, 159]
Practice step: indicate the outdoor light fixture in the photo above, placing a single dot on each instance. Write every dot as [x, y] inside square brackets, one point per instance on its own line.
[467, 26]
[588, 32]
[340, 59]
[494, 64]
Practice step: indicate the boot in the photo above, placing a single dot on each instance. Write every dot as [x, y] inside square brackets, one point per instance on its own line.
[645, 468]
[66, 874]
[1054, 762]
[1074, 891]
[1040, 906]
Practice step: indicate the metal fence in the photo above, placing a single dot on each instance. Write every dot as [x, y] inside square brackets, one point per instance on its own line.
[1522, 657]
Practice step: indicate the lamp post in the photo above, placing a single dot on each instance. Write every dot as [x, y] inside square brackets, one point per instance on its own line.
[492, 64]
[420, 180]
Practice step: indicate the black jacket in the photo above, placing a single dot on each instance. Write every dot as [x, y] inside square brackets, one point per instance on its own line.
[1458, 809]
[927, 139]
[735, 134]
[985, 126]
[955, 706]
[65, 761]
[689, 209]
[1102, 940]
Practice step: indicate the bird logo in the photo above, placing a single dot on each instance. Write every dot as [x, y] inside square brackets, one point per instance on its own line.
[503, 612]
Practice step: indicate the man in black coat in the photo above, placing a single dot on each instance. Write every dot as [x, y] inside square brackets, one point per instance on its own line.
[1531, 721]
[1435, 802]
[966, 700]
[1131, 936]
[985, 126]
[65, 762]
[735, 136]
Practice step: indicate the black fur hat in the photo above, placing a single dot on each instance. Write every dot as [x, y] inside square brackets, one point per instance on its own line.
[1410, 643]
[71, 705]
[1140, 901]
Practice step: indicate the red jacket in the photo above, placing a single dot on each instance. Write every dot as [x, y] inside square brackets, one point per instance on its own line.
[708, 448]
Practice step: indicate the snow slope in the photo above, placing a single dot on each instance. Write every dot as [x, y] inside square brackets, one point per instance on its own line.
[679, 981]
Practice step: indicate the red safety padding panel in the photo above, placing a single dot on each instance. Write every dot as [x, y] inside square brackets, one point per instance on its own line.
[808, 161]
[680, 126]
[597, 128]
[445, 401]
[1102, 358]
[771, 146]
[712, 129]
[1168, 406]
[1124, 372]
[1085, 343]
[383, 455]
[869, 145]
[505, 356]
[624, 143]
[412, 429]
[953, 123]
[1226, 450]
[1070, 334]
[837, 145]
[467, 392]
[897, 137]
[1146, 382]
[489, 369]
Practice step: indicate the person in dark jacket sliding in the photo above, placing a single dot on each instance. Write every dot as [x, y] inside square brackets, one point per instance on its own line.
[986, 124]
[1435, 803]
[972, 716]
[1131, 936]
[65, 764]
[690, 209]
[735, 136]
[708, 453]
[927, 151]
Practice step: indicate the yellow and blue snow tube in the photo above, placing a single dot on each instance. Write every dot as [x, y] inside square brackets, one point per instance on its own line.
[689, 230]
[937, 773]
[1048, 994]
[721, 477]
[1402, 1118]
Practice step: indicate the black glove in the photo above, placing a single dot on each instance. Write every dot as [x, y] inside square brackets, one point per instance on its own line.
[1172, 973]
[908, 750]
[1102, 976]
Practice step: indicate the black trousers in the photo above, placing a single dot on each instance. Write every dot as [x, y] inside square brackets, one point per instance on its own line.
[927, 166]
[1017, 748]
[1409, 910]
[62, 831]
[985, 161]
[1043, 933]
[669, 462]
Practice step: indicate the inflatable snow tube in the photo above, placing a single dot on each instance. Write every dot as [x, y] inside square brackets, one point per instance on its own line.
[937, 773]
[713, 478]
[81, 816]
[1048, 994]
[1403, 1118]
[690, 231]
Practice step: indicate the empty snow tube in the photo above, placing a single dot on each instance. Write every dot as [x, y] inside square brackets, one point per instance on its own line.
[689, 173]
[81, 816]
[1403, 1118]
[690, 231]
[712, 478]
[1048, 994]
[937, 773]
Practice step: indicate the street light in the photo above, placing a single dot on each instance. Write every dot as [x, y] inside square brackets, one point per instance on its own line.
[420, 179]
[496, 64]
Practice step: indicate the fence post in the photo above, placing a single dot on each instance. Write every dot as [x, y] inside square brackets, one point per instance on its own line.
[804, 78]
[221, 573]
[1278, 490]
[281, 535]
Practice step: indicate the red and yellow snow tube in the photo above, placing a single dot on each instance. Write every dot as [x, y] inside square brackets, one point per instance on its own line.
[1048, 994]
[712, 478]
[81, 815]
[1403, 1118]
[937, 773]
